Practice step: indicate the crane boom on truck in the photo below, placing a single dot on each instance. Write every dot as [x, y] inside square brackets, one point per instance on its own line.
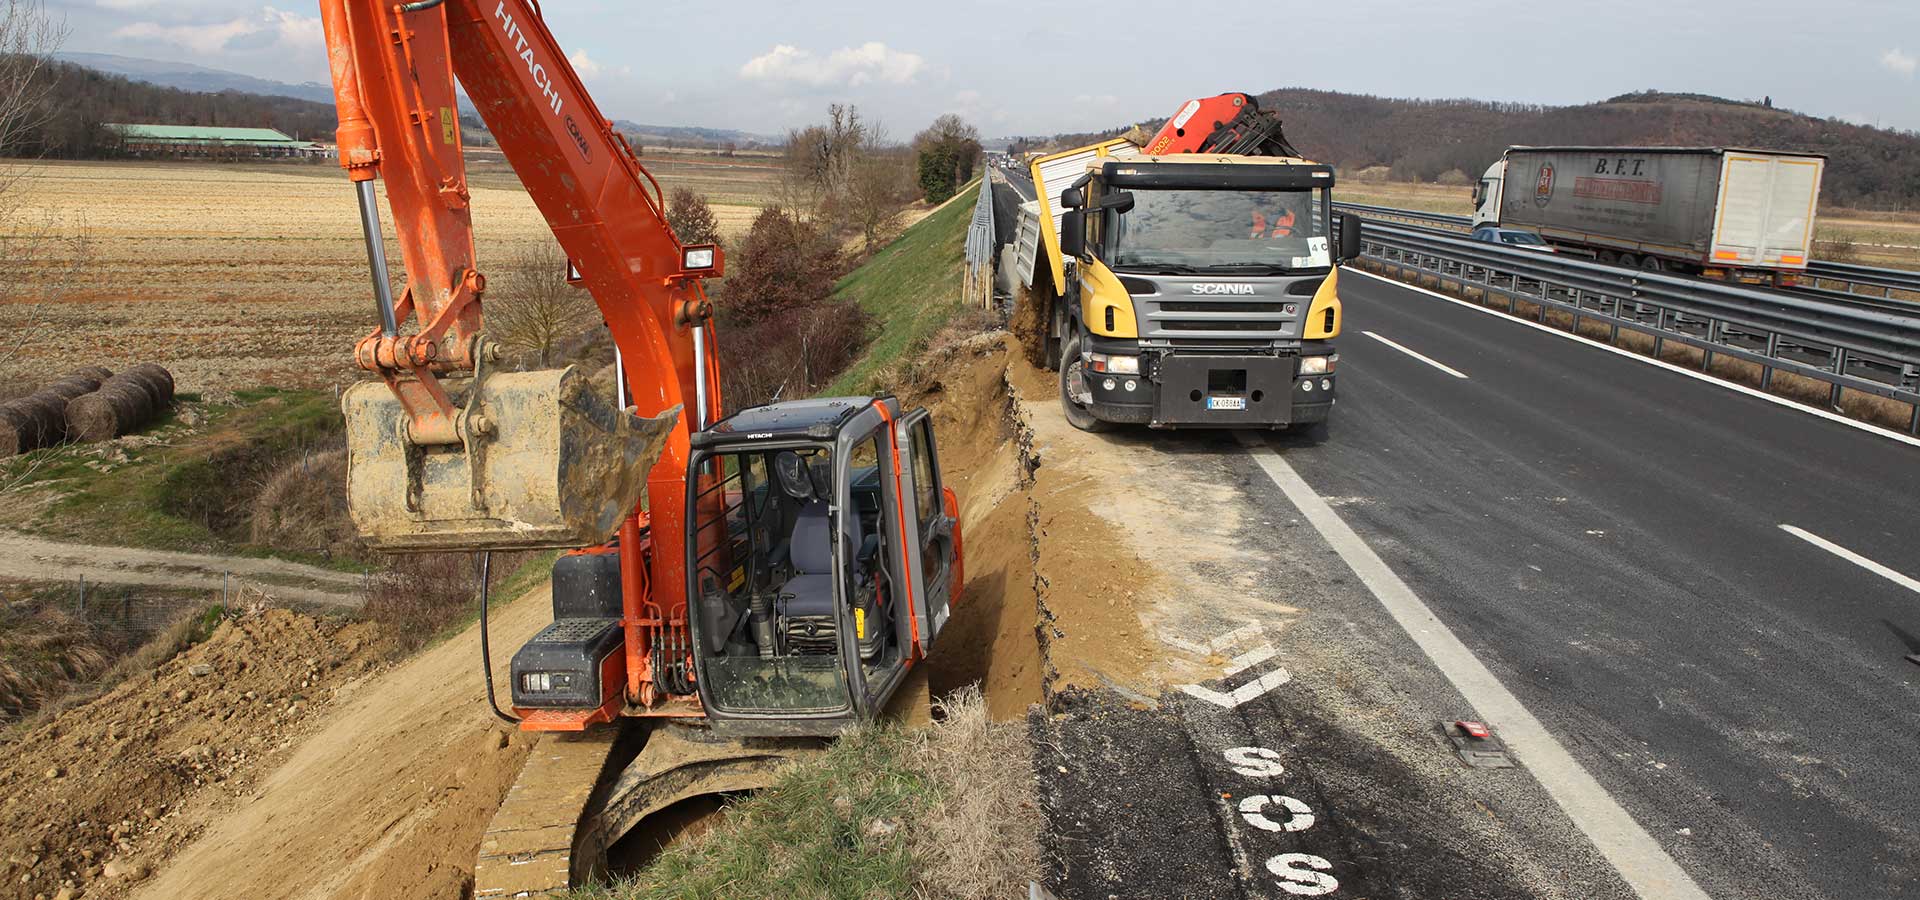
[1190, 281]
[789, 563]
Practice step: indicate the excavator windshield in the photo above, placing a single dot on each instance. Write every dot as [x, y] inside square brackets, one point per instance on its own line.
[791, 571]
[1235, 230]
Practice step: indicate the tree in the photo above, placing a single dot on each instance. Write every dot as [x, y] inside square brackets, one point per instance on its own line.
[692, 218]
[39, 255]
[945, 155]
[532, 310]
[784, 263]
[875, 197]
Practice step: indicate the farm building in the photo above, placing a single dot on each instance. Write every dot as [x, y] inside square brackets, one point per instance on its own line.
[214, 142]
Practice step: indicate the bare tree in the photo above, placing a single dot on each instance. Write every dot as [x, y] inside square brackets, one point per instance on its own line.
[532, 310]
[39, 255]
[881, 183]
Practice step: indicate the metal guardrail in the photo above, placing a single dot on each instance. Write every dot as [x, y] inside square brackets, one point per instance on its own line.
[980, 248]
[1844, 345]
[1854, 277]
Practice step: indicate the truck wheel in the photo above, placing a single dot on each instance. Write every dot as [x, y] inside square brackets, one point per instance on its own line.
[1077, 413]
[1652, 263]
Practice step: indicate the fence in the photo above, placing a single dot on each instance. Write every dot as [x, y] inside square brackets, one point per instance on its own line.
[981, 248]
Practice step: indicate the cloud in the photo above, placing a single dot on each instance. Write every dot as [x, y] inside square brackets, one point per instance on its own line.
[589, 68]
[1899, 63]
[266, 28]
[849, 66]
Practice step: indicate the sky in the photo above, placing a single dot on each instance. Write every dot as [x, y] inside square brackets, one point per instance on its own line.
[1046, 67]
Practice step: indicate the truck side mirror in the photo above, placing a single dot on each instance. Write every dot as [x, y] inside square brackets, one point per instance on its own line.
[1120, 202]
[1073, 232]
[1073, 198]
[1349, 237]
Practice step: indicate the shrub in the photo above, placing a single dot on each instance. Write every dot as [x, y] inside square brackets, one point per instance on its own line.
[783, 265]
[691, 218]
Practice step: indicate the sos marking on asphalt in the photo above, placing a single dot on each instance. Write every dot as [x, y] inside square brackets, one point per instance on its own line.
[1300, 874]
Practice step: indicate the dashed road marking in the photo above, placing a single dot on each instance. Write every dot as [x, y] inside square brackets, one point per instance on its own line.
[1852, 557]
[1417, 355]
[1231, 639]
[1660, 363]
[1241, 694]
[1640, 860]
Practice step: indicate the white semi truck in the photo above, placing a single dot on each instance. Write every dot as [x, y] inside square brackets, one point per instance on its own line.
[1738, 215]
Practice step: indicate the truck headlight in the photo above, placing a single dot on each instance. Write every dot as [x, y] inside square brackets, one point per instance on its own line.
[1117, 365]
[1317, 365]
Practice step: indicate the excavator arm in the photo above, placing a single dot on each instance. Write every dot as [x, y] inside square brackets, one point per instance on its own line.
[447, 454]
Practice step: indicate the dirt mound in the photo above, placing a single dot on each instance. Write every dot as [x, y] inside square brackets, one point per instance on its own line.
[105, 792]
[387, 797]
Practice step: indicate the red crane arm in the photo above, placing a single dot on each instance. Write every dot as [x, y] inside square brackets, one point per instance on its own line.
[393, 70]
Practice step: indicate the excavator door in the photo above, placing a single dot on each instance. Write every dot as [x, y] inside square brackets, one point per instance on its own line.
[932, 530]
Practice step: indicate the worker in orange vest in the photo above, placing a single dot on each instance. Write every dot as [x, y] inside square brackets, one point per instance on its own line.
[1280, 226]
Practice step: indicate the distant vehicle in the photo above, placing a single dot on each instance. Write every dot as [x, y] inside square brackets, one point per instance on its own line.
[1512, 237]
[1738, 215]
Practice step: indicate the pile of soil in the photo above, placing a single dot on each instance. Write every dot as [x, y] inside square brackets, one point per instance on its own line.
[102, 794]
[387, 796]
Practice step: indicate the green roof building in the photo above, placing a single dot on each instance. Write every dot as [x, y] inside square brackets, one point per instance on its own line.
[213, 141]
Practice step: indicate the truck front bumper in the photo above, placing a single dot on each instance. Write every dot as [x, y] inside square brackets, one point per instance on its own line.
[1203, 391]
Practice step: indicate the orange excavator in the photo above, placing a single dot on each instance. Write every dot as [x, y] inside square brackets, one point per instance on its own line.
[737, 587]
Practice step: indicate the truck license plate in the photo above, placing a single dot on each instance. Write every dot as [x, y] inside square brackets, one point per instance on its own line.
[1226, 403]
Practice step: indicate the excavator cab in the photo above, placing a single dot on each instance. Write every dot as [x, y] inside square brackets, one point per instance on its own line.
[833, 563]
[823, 553]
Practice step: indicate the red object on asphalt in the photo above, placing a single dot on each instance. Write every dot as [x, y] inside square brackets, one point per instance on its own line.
[1475, 730]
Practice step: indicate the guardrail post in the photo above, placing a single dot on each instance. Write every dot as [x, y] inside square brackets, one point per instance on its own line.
[1773, 350]
[1839, 368]
[1713, 337]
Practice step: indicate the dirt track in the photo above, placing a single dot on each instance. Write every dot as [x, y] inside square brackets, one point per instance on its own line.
[37, 559]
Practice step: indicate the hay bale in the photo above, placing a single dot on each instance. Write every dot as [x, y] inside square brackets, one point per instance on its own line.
[122, 405]
[118, 407]
[40, 418]
[161, 376]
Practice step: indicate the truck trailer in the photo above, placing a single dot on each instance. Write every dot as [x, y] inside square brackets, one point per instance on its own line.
[1727, 213]
[1186, 289]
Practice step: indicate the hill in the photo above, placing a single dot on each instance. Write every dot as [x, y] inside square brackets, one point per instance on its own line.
[1421, 140]
[197, 79]
[82, 99]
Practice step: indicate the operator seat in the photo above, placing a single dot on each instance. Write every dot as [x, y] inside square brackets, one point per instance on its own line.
[809, 547]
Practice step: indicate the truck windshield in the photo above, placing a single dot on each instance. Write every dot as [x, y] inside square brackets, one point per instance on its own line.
[1202, 229]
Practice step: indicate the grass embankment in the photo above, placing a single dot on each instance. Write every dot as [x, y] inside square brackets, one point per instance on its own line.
[885, 812]
[184, 483]
[912, 287]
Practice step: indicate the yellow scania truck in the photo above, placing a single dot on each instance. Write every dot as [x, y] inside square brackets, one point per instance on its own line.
[1184, 289]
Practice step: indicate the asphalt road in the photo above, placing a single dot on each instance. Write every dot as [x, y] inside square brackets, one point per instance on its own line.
[1607, 538]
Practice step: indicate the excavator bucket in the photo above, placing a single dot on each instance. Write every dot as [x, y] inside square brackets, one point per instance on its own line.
[546, 462]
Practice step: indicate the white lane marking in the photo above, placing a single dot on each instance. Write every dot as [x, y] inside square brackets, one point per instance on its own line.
[1250, 659]
[1419, 356]
[1243, 693]
[1904, 581]
[1640, 860]
[1232, 638]
[1661, 363]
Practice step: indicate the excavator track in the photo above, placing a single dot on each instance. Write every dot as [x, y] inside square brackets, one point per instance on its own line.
[574, 799]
